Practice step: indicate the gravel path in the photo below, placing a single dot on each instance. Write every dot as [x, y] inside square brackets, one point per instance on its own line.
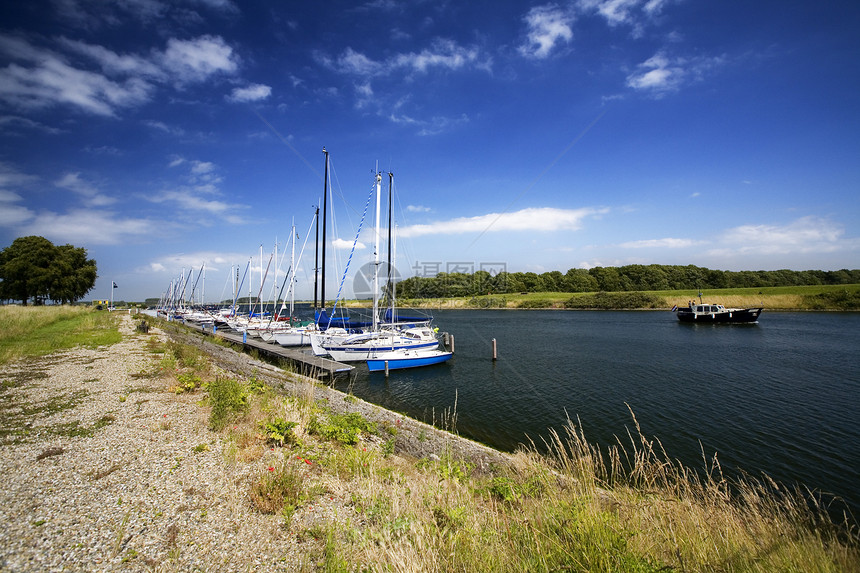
[107, 471]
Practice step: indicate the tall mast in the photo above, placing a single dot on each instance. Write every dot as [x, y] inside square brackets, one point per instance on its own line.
[316, 255]
[390, 251]
[376, 257]
[292, 271]
[325, 218]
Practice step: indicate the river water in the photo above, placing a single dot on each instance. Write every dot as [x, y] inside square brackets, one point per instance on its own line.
[780, 397]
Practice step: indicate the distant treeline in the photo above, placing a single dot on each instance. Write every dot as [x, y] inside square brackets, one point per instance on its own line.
[614, 279]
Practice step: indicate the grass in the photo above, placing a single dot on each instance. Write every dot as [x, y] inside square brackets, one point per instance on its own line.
[42, 330]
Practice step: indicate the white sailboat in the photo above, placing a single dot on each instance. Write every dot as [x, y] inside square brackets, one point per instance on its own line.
[389, 337]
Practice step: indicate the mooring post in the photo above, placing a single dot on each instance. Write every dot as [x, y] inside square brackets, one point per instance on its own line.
[452, 344]
[494, 349]
[386, 368]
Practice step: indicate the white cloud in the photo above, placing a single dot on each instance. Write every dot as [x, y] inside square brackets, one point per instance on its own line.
[352, 62]
[112, 63]
[198, 59]
[9, 123]
[531, 219]
[418, 209]
[614, 11]
[445, 54]
[14, 215]
[343, 244]
[11, 177]
[666, 243]
[656, 74]
[442, 54]
[254, 92]
[805, 235]
[38, 78]
[90, 226]
[214, 261]
[201, 167]
[92, 196]
[187, 201]
[547, 27]
[661, 74]
[9, 196]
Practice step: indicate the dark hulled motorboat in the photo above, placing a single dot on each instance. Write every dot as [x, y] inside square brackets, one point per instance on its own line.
[718, 314]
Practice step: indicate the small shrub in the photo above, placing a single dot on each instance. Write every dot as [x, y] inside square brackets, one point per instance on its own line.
[279, 431]
[228, 398]
[187, 382]
[447, 467]
[841, 300]
[388, 448]
[343, 428]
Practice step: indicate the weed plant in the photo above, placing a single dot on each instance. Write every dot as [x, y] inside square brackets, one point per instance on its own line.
[228, 398]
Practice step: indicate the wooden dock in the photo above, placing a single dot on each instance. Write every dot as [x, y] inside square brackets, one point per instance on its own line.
[302, 361]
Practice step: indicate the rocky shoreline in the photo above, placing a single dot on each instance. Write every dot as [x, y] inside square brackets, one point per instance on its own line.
[107, 470]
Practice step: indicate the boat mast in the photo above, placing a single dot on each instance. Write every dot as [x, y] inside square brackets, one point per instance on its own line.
[292, 271]
[316, 254]
[376, 257]
[390, 251]
[325, 218]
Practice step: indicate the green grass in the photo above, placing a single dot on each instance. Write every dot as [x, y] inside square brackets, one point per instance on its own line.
[39, 331]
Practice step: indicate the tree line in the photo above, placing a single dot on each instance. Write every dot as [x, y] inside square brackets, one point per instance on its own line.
[613, 279]
[34, 268]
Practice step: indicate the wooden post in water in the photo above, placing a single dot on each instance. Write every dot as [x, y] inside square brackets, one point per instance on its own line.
[452, 344]
[386, 368]
[494, 349]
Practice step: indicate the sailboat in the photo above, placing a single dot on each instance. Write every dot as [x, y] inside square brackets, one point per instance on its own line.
[410, 357]
[345, 346]
[380, 337]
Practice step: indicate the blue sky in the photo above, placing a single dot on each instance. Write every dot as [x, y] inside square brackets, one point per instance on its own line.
[163, 136]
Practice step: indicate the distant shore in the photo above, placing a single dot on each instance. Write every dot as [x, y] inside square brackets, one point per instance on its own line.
[800, 298]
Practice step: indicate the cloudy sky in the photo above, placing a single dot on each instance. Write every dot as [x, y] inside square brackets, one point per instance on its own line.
[165, 135]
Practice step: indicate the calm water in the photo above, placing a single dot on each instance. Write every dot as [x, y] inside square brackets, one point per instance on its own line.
[781, 397]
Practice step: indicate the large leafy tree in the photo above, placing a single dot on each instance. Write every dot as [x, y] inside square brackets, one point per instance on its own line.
[32, 267]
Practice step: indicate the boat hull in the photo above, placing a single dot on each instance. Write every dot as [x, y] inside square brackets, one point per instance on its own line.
[359, 353]
[725, 316]
[413, 360]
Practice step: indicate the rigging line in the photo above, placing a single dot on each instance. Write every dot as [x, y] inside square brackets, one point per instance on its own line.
[287, 143]
[538, 178]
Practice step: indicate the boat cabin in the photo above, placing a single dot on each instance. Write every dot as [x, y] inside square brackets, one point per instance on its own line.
[708, 308]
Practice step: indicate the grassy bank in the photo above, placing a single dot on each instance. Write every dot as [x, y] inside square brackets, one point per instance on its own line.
[632, 508]
[40, 330]
[821, 297]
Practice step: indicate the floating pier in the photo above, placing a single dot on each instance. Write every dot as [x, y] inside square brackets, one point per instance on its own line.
[303, 362]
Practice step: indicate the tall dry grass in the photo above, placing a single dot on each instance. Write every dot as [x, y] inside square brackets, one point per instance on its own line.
[769, 301]
[631, 509]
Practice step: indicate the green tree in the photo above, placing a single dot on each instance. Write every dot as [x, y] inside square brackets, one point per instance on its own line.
[32, 267]
[72, 274]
